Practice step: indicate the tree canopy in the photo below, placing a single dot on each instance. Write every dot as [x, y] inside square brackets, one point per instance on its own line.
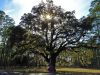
[50, 30]
[6, 24]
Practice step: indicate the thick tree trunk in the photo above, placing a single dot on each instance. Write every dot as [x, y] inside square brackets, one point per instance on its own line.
[52, 65]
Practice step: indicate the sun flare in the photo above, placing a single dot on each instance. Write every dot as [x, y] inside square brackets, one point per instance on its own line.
[48, 17]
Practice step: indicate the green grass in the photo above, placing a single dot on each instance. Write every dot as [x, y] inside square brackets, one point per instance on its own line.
[44, 70]
[78, 70]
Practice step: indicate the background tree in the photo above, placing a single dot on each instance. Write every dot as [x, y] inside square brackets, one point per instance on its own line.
[78, 57]
[66, 59]
[95, 13]
[6, 24]
[83, 57]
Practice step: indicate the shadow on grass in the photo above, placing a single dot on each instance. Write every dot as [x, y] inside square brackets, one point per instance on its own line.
[19, 73]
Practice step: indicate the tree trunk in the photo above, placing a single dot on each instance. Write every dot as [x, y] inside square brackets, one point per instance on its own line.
[52, 65]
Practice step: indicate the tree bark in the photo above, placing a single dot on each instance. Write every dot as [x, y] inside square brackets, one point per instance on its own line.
[52, 65]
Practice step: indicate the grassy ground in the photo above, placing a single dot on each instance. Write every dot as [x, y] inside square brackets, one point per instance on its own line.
[59, 70]
[78, 70]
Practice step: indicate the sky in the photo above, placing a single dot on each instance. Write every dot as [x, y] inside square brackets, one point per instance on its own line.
[16, 8]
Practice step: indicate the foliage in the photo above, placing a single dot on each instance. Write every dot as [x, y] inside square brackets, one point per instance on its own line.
[84, 57]
[95, 13]
[95, 7]
[6, 24]
[79, 57]
[95, 40]
[66, 59]
[49, 30]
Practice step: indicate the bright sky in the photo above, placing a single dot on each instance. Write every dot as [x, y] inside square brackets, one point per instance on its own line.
[16, 8]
